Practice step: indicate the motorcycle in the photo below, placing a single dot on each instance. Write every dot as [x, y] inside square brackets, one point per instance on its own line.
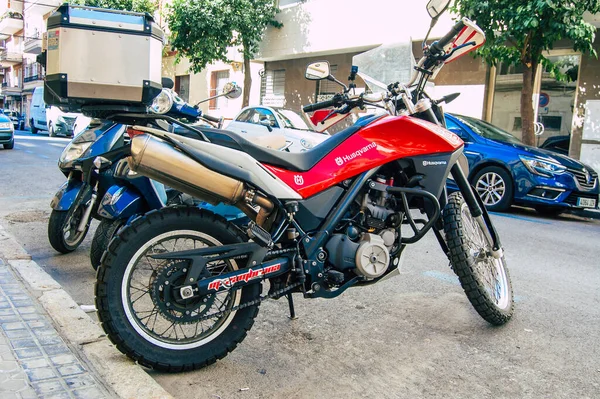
[180, 287]
[76, 203]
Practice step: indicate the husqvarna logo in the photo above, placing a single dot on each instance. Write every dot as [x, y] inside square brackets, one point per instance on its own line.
[299, 180]
[339, 161]
[434, 163]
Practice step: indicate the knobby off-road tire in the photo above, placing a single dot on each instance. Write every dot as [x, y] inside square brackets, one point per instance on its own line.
[122, 320]
[104, 233]
[61, 220]
[485, 280]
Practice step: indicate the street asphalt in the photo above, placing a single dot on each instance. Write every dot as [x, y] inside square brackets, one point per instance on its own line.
[412, 336]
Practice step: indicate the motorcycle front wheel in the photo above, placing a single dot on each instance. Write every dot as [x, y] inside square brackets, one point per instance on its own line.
[104, 233]
[484, 278]
[62, 229]
[147, 320]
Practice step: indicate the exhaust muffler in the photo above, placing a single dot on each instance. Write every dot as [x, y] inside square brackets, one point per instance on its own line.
[160, 161]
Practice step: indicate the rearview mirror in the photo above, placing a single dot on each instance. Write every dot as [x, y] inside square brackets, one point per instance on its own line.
[167, 83]
[231, 90]
[317, 70]
[435, 8]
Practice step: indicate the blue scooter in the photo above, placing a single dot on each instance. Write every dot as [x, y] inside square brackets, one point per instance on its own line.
[93, 164]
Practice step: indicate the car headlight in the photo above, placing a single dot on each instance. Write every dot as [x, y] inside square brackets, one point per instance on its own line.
[162, 103]
[6, 125]
[306, 144]
[542, 167]
[73, 151]
[60, 119]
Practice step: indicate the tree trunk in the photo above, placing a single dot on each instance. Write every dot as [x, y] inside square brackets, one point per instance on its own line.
[527, 112]
[247, 81]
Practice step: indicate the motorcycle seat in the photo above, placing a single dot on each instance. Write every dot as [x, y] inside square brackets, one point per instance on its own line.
[293, 161]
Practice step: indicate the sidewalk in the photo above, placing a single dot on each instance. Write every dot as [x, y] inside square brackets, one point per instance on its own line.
[49, 347]
[35, 361]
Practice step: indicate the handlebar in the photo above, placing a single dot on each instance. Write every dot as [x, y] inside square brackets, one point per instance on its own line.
[439, 45]
[211, 118]
[336, 100]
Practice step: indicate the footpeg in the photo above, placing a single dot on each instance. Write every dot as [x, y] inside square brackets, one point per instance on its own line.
[259, 235]
[335, 277]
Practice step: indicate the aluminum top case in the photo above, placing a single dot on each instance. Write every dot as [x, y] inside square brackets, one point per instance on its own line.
[102, 59]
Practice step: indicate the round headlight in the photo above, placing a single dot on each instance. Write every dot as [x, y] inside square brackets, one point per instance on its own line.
[162, 103]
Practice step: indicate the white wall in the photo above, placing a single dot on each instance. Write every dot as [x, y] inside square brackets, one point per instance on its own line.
[317, 27]
[590, 148]
[469, 103]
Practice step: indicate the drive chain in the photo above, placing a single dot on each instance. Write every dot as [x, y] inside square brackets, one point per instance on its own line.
[256, 301]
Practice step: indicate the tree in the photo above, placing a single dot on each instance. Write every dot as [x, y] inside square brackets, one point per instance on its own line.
[203, 31]
[148, 6]
[520, 31]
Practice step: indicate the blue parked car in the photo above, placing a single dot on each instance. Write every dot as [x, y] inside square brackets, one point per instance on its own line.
[504, 171]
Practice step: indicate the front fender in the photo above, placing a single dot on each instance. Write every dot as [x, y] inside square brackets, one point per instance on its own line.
[121, 202]
[66, 195]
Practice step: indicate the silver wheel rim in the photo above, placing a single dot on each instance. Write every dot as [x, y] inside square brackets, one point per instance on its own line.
[489, 271]
[71, 236]
[179, 340]
[491, 188]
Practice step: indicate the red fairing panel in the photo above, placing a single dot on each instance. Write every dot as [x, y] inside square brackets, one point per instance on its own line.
[383, 141]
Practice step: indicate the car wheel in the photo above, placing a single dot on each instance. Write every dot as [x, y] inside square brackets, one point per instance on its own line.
[10, 145]
[495, 187]
[51, 131]
[34, 130]
[549, 210]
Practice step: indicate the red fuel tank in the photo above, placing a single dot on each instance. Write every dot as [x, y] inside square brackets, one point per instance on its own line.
[385, 140]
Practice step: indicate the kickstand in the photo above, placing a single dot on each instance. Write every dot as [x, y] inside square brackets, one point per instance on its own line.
[291, 303]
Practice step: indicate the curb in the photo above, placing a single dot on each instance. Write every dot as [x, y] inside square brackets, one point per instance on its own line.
[120, 374]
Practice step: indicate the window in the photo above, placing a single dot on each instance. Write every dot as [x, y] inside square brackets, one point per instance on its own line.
[272, 88]
[456, 129]
[218, 80]
[262, 115]
[245, 116]
[549, 122]
[326, 88]
[182, 87]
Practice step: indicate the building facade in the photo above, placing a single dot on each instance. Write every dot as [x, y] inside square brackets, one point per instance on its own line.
[21, 27]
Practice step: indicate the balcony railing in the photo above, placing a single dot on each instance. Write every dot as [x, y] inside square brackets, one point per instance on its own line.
[10, 23]
[8, 58]
[33, 43]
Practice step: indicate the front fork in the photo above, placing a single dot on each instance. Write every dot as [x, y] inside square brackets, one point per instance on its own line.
[88, 210]
[478, 210]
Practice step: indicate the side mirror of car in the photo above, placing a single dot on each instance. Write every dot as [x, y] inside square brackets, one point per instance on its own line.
[267, 124]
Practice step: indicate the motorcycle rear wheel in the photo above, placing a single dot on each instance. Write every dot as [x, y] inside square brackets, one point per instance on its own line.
[130, 286]
[485, 279]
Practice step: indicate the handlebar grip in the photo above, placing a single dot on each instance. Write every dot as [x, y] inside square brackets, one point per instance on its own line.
[439, 45]
[211, 118]
[320, 105]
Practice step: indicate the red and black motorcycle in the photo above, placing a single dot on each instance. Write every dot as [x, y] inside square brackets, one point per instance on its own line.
[180, 287]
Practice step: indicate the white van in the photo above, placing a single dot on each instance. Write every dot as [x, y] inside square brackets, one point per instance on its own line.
[52, 119]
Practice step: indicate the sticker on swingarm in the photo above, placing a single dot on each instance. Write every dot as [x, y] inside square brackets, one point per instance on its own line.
[227, 283]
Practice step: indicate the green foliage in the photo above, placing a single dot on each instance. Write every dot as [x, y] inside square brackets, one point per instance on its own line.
[148, 6]
[519, 31]
[203, 30]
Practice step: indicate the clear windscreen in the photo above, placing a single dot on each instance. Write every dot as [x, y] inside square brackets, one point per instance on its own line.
[388, 63]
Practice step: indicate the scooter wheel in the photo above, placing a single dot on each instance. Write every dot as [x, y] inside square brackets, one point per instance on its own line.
[104, 233]
[62, 229]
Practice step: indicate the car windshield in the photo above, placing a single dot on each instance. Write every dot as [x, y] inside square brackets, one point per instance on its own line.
[292, 120]
[488, 130]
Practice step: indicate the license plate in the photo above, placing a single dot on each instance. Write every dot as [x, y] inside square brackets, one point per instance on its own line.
[586, 202]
